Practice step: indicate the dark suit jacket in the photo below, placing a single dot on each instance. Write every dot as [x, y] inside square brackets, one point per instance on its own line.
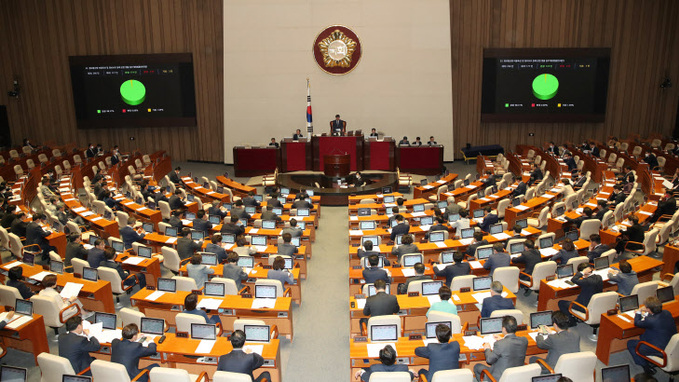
[399, 229]
[186, 247]
[597, 252]
[217, 249]
[297, 204]
[529, 257]
[235, 273]
[274, 202]
[174, 177]
[659, 328]
[176, 223]
[535, 176]
[617, 198]
[520, 189]
[488, 220]
[404, 249]
[250, 201]
[287, 249]
[176, 202]
[651, 160]
[494, 303]
[600, 214]
[18, 227]
[95, 257]
[377, 368]
[558, 344]
[471, 250]
[570, 162]
[231, 228]
[496, 260]
[440, 356]
[411, 279]
[453, 270]
[373, 274]
[202, 225]
[36, 235]
[589, 286]
[216, 211]
[129, 236]
[23, 289]
[507, 352]
[240, 213]
[381, 304]
[635, 233]
[237, 361]
[127, 353]
[270, 215]
[74, 250]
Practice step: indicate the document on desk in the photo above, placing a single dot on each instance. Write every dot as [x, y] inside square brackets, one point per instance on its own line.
[418, 214]
[501, 236]
[549, 196]
[87, 213]
[441, 181]
[425, 227]
[626, 316]
[521, 207]
[260, 248]
[353, 218]
[149, 339]
[466, 241]
[355, 232]
[441, 267]
[155, 295]
[171, 240]
[205, 346]
[428, 341]
[18, 322]
[645, 213]
[134, 260]
[259, 303]
[560, 283]
[408, 272]
[480, 296]
[534, 335]
[12, 264]
[253, 349]
[374, 349]
[209, 303]
[79, 209]
[41, 275]
[475, 264]
[471, 186]
[360, 303]
[441, 244]
[71, 289]
[473, 342]
[97, 218]
[603, 273]
[434, 299]
[548, 251]
[427, 187]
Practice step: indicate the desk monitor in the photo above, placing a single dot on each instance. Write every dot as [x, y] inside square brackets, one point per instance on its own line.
[197, 235]
[418, 207]
[171, 231]
[259, 198]
[558, 211]
[628, 303]
[574, 204]
[24, 307]
[523, 223]
[447, 257]
[305, 212]
[373, 239]
[118, 246]
[285, 191]
[214, 289]
[250, 210]
[154, 326]
[453, 218]
[228, 238]
[246, 261]
[220, 189]
[296, 241]
[269, 224]
[58, 227]
[12, 374]
[108, 320]
[56, 266]
[208, 258]
[495, 229]
[109, 216]
[372, 291]
[478, 213]
[516, 202]
[482, 283]
[430, 327]
[541, 318]
[546, 378]
[393, 223]
[148, 227]
[380, 262]
[28, 258]
[257, 333]
[363, 212]
[278, 210]
[190, 216]
[151, 205]
[546, 242]
[467, 233]
[431, 288]
[203, 331]
[618, 373]
[143, 251]
[466, 182]
[75, 378]
[310, 193]
[228, 206]
[426, 220]
[167, 285]
[411, 259]
[516, 248]
[437, 236]
[367, 225]
[288, 263]
[90, 274]
[442, 204]
[258, 240]
[190, 198]
[665, 294]
[573, 235]
[484, 253]
[265, 291]
[389, 199]
[480, 194]
[601, 263]
[214, 219]
[384, 333]
[387, 190]
[491, 325]
[565, 270]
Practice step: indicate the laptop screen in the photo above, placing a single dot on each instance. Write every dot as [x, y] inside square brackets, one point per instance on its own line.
[75, 378]
[453, 217]
[246, 261]
[523, 223]
[167, 285]
[447, 257]
[430, 327]
[565, 270]
[190, 216]
[265, 291]
[384, 332]
[56, 266]
[28, 258]
[151, 205]
[24, 307]
[380, 262]
[431, 288]
[259, 198]
[12, 374]
[367, 225]
[171, 231]
[484, 253]
[573, 235]
[481, 283]
[285, 191]
[296, 241]
[546, 378]
[214, 289]
[277, 210]
[491, 325]
[203, 331]
[478, 213]
[393, 223]
[495, 229]
[228, 238]
[427, 220]
[546, 242]
[436, 236]
[389, 198]
[618, 373]
[269, 224]
[418, 207]
[118, 246]
[250, 210]
[540, 318]
[387, 190]
[209, 258]
[516, 202]
[373, 239]
[372, 291]
[442, 204]
[558, 211]
[108, 320]
[197, 235]
[601, 263]
[190, 197]
[93, 239]
[90, 274]
[257, 333]
[258, 240]
[155, 326]
[411, 260]
[628, 303]
[148, 227]
[398, 239]
[665, 294]
[214, 219]
[305, 211]
[516, 248]
[466, 182]
[146, 252]
[288, 262]
[467, 233]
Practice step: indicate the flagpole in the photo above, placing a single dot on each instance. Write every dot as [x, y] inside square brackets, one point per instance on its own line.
[309, 119]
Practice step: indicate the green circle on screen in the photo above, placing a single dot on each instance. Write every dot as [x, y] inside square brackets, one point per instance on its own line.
[133, 92]
[545, 86]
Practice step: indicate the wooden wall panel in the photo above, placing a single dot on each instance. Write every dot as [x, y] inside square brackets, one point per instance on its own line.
[37, 36]
[644, 41]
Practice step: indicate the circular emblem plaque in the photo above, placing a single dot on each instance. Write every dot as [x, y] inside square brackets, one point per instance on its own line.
[337, 50]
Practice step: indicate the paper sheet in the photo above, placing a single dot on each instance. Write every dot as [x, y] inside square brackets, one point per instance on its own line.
[209, 303]
[260, 248]
[353, 218]
[521, 207]
[79, 209]
[475, 264]
[253, 349]
[425, 227]
[441, 267]
[433, 299]
[41, 275]
[259, 303]
[441, 244]
[456, 298]
[360, 303]
[525, 232]
[548, 251]
[171, 240]
[480, 296]
[205, 346]
[408, 272]
[155, 295]
[427, 187]
[12, 264]
[71, 289]
[134, 260]
[466, 241]
[18, 322]
[561, 283]
[87, 213]
[501, 236]
[355, 232]
[418, 214]
[374, 349]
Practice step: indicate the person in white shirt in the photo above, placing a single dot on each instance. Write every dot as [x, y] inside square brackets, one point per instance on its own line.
[461, 223]
[49, 282]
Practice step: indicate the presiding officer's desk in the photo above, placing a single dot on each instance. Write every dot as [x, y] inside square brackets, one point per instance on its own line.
[549, 295]
[231, 308]
[94, 295]
[414, 309]
[30, 337]
[616, 330]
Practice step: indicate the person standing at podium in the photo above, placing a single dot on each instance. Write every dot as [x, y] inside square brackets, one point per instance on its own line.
[338, 127]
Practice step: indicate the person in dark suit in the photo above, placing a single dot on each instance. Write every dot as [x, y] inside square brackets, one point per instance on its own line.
[115, 157]
[401, 227]
[508, 352]
[286, 248]
[338, 126]
[214, 247]
[232, 271]
[458, 268]
[176, 202]
[96, 256]
[75, 346]
[367, 251]
[406, 247]
[388, 364]
[570, 162]
[374, 273]
[129, 235]
[36, 235]
[444, 355]
[530, 257]
[128, 351]
[437, 226]
[18, 225]
[357, 179]
[91, 152]
[617, 196]
[176, 219]
[381, 304]
[293, 230]
[200, 223]
[557, 344]
[239, 211]
[488, 220]
[589, 283]
[273, 200]
[239, 361]
[535, 174]
[190, 307]
[566, 252]
[373, 133]
[520, 189]
[268, 214]
[552, 149]
[498, 259]
[431, 141]
[601, 209]
[298, 135]
[495, 301]
[250, 200]
[659, 327]
[666, 206]
[626, 278]
[214, 210]
[404, 142]
[596, 249]
[110, 262]
[577, 222]
[651, 159]
[185, 246]
[628, 177]
[477, 242]
[74, 249]
[174, 175]
[232, 226]
[16, 276]
[632, 233]
[419, 275]
[274, 144]
[301, 202]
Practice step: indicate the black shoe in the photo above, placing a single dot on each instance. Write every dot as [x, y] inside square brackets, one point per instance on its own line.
[650, 370]
[527, 292]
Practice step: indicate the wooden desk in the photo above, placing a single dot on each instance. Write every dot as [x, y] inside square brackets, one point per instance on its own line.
[142, 212]
[529, 207]
[205, 194]
[670, 259]
[30, 337]
[381, 207]
[491, 200]
[149, 267]
[356, 199]
[238, 189]
[430, 189]
[104, 228]
[356, 280]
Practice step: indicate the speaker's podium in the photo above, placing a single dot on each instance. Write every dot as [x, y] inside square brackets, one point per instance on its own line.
[337, 165]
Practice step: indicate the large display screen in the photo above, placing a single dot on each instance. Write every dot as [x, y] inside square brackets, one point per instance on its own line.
[545, 85]
[149, 90]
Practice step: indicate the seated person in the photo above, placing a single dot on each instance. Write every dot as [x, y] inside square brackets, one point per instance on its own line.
[401, 228]
[214, 246]
[445, 305]
[129, 235]
[273, 143]
[566, 252]
[586, 215]
[110, 262]
[357, 180]
[48, 283]
[75, 346]
[530, 257]
[477, 241]
[287, 248]
[488, 220]
[462, 223]
[659, 327]
[499, 258]
[190, 307]
[495, 301]
[201, 222]
[406, 247]
[298, 135]
[589, 283]
[197, 271]
[443, 355]
[278, 272]
[268, 214]
[293, 230]
[510, 351]
[634, 233]
[243, 248]
[562, 342]
[238, 361]
[373, 133]
[128, 351]
[381, 303]
[431, 141]
[626, 278]
[16, 281]
[233, 271]
[230, 226]
[419, 275]
[457, 268]
[374, 273]
[596, 249]
[388, 364]
[186, 247]
[404, 142]
[417, 143]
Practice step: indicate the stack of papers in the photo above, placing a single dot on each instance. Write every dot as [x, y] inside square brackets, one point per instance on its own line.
[418, 214]
[260, 248]
[408, 272]
[434, 299]
[79, 209]
[209, 303]
[475, 264]
[548, 251]
[476, 342]
[41, 275]
[560, 283]
[18, 322]
[603, 273]
[534, 335]
[87, 213]
[171, 240]
[521, 207]
[481, 296]
[425, 227]
[360, 303]
[12, 264]
[259, 303]
[427, 187]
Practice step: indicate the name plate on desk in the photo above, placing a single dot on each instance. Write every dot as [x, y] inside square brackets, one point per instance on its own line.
[464, 290]
[413, 294]
[247, 295]
[415, 337]
[360, 339]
